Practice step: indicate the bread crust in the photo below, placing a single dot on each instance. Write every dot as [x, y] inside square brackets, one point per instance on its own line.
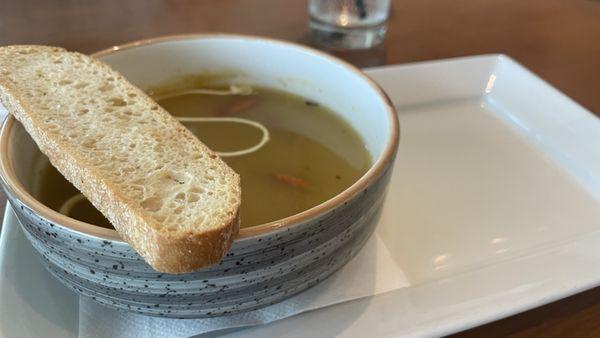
[178, 251]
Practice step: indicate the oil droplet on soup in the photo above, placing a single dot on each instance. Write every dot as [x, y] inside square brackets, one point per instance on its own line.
[311, 155]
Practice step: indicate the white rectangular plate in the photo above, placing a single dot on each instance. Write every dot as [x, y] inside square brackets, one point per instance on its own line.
[493, 209]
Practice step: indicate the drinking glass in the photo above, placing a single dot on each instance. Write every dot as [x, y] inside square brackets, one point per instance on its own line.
[348, 24]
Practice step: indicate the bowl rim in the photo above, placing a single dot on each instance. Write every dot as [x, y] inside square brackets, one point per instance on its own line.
[11, 181]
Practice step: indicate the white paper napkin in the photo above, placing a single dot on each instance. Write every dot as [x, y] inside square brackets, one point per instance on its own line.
[372, 271]
[3, 113]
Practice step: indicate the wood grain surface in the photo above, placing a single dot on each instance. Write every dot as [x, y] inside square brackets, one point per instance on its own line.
[557, 39]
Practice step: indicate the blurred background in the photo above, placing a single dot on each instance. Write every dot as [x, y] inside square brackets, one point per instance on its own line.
[557, 39]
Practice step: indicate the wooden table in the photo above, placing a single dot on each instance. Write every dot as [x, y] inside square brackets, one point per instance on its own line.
[557, 39]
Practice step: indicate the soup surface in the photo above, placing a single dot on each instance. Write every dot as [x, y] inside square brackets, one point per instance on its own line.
[292, 154]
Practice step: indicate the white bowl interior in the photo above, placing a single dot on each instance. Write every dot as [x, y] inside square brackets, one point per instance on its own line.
[267, 63]
[26, 158]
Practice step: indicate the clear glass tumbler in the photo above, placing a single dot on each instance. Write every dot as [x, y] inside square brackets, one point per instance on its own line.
[348, 24]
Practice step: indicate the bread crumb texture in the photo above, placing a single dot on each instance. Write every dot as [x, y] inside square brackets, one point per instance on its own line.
[164, 191]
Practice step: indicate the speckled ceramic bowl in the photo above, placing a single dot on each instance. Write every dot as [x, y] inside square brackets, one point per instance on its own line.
[266, 263]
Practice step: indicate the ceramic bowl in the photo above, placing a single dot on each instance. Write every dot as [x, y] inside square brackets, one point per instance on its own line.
[266, 263]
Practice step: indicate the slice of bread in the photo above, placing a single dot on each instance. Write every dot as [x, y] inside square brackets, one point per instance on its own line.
[168, 195]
